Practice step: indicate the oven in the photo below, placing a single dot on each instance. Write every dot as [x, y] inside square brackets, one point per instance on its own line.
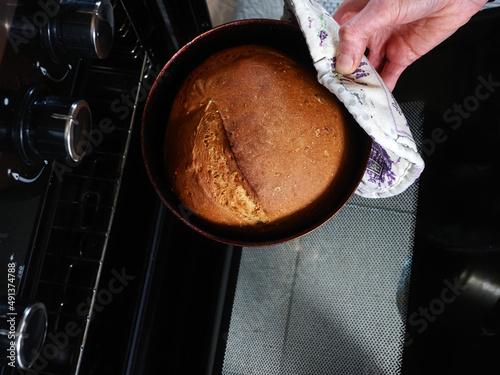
[97, 277]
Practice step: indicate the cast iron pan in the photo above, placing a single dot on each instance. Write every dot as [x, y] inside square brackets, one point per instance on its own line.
[284, 36]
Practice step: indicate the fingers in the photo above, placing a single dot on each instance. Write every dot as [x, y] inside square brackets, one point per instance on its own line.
[348, 9]
[391, 73]
[377, 60]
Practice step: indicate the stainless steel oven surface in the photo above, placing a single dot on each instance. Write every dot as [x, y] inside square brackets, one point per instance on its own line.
[98, 277]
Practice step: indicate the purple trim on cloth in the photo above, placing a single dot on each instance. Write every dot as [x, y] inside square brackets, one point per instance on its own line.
[379, 169]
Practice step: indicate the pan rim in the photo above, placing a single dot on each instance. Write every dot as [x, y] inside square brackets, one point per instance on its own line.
[151, 165]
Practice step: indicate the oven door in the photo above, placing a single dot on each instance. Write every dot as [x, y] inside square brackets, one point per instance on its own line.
[393, 286]
[389, 286]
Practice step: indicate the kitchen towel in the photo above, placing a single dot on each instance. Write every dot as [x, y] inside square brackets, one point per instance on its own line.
[395, 162]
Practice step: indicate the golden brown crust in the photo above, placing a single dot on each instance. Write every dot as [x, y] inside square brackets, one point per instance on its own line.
[253, 138]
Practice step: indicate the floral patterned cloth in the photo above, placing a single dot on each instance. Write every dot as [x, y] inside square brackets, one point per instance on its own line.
[394, 162]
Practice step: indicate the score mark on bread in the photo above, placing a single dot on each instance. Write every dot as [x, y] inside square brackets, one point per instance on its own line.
[212, 156]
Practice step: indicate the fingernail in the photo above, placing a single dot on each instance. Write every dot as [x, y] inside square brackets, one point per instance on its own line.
[344, 64]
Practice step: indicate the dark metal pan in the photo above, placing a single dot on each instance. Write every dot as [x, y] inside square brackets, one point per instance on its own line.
[284, 36]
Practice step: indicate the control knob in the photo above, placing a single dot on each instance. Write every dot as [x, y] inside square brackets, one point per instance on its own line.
[81, 28]
[53, 128]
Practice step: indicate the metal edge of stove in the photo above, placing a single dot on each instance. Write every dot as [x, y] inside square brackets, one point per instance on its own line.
[173, 270]
[115, 199]
[218, 324]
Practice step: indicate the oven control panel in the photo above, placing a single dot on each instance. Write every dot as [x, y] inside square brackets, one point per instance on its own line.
[46, 49]
[42, 119]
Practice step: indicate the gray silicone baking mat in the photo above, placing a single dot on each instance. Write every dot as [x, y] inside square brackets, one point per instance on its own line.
[332, 302]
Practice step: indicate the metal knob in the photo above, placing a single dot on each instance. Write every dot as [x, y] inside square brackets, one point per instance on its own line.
[60, 128]
[82, 28]
[52, 127]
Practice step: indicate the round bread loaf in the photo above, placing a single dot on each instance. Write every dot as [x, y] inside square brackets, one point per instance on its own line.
[254, 139]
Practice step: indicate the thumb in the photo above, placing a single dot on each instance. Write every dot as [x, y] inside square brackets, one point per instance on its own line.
[352, 46]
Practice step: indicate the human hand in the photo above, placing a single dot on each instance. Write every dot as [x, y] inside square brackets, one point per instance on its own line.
[396, 32]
